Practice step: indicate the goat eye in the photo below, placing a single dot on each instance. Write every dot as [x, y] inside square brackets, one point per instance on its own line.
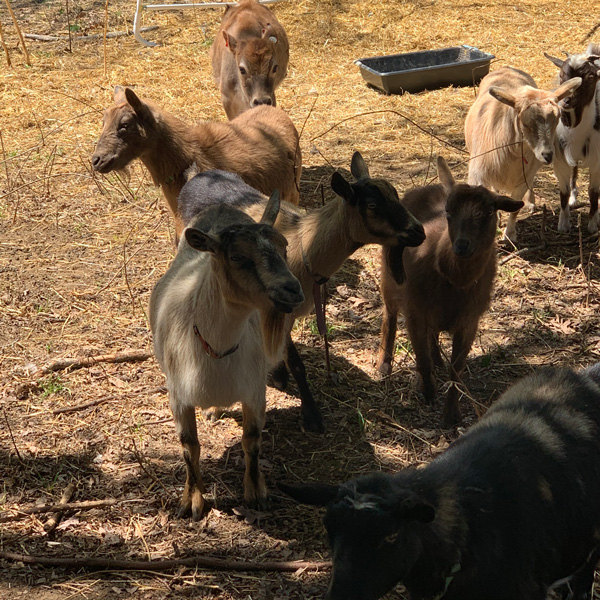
[372, 205]
[391, 539]
[448, 215]
[242, 70]
[236, 258]
[275, 69]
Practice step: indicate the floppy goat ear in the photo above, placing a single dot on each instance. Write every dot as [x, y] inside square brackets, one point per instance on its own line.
[358, 166]
[557, 61]
[271, 209]
[313, 494]
[507, 204]
[342, 188]
[502, 96]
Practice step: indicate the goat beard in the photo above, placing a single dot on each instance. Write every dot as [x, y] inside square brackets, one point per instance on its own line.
[273, 329]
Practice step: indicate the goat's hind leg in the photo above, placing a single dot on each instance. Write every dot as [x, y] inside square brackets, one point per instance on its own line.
[594, 191]
[192, 500]
[255, 489]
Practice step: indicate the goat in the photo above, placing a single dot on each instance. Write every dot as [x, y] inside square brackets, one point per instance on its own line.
[217, 325]
[449, 278]
[249, 57]
[366, 212]
[509, 511]
[578, 134]
[261, 146]
[511, 139]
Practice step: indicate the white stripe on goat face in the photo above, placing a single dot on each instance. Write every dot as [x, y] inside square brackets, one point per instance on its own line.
[538, 126]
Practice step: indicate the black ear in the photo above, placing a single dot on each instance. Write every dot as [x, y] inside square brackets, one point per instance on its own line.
[508, 204]
[415, 509]
[141, 109]
[201, 241]
[394, 260]
[557, 61]
[313, 494]
[358, 166]
[342, 188]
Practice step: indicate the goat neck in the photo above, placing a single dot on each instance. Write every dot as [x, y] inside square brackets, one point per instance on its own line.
[464, 272]
[319, 247]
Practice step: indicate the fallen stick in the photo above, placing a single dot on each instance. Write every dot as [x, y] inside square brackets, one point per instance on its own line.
[209, 562]
[4, 46]
[79, 363]
[34, 510]
[19, 32]
[84, 38]
[55, 517]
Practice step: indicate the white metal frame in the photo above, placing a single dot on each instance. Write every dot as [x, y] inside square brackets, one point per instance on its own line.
[140, 6]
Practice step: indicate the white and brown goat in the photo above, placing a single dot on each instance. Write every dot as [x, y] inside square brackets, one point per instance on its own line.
[261, 146]
[509, 132]
[448, 279]
[249, 57]
[578, 134]
[218, 328]
[365, 212]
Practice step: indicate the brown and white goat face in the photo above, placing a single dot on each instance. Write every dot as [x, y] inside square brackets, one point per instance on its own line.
[251, 262]
[258, 68]
[587, 67]
[125, 132]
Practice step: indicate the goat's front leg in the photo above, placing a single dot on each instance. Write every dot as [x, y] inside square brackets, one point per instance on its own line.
[420, 338]
[255, 489]
[563, 174]
[462, 341]
[185, 422]
[510, 232]
[311, 415]
[389, 322]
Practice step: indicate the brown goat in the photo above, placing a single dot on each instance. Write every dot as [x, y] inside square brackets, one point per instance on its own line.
[448, 279]
[261, 146]
[249, 57]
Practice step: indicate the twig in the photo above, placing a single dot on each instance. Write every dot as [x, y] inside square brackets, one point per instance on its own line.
[55, 517]
[209, 562]
[85, 505]
[105, 30]
[4, 46]
[591, 32]
[84, 38]
[12, 437]
[139, 459]
[19, 32]
[69, 26]
[541, 246]
[78, 407]
[79, 363]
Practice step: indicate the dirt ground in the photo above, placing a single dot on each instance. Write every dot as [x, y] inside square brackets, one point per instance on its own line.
[80, 254]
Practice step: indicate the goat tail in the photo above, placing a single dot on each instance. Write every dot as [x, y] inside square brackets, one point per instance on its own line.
[273, 324]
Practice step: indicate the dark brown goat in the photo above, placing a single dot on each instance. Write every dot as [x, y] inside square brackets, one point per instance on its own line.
[449, 278]
[261, 146]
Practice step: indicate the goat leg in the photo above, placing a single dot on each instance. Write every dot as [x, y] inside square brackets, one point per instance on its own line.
[389, 324]
[192, 500]
[420, 338]
[594, 222]
[311, 415]
[280, 377]
[255, 489]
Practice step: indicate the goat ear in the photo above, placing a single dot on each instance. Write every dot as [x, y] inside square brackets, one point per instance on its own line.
[201, 241]
[358, 166]
[502, 96]
[415, 509]
[444, 174]
[313, 494]
[271, 209]
[230, 41]
[567, 88]
[141, 109]
[557, 61]
[507, 204]
[119, 94]
[342, 188]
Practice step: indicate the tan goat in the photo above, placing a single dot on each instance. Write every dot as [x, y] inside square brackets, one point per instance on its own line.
[261, 146]
[509, 132]
[249, 57]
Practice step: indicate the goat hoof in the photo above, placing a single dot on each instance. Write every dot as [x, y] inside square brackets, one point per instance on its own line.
[313, 421]
[452, 416]
[259, 504]
[384, 368]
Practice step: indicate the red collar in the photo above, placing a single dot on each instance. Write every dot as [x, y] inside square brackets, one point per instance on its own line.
[209, 350]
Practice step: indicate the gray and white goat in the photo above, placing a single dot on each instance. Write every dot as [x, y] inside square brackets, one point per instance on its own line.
[216, 317]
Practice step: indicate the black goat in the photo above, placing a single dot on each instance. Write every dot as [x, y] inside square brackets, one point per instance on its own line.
[508, 512]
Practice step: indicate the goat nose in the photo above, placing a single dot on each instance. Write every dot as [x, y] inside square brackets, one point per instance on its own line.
[461, 247]
[259, 101]
[96, 160]
[547, 156]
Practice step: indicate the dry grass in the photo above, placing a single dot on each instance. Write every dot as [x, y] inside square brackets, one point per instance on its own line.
[80, 253]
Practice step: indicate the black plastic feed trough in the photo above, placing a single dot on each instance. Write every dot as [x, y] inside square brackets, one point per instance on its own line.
[426, 70]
